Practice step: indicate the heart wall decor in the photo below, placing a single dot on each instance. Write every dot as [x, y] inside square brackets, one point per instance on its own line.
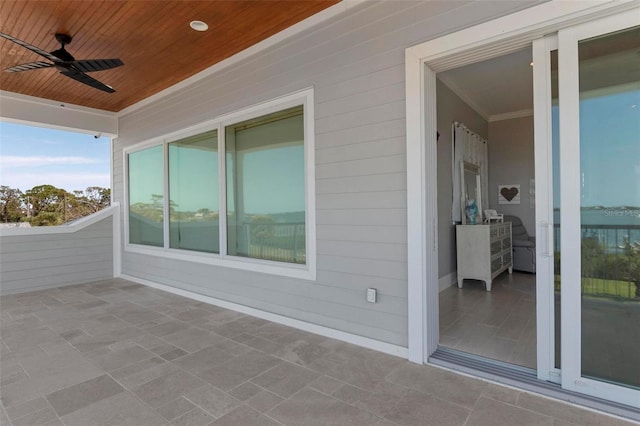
[508, 194]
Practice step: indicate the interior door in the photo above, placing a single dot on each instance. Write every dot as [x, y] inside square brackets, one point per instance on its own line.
[599, 155]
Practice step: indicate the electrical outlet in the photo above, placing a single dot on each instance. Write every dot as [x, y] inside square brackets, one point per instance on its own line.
[372, 295]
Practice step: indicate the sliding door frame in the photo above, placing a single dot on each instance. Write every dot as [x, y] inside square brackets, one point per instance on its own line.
[543, 148]
[570, 213]
[422, 62]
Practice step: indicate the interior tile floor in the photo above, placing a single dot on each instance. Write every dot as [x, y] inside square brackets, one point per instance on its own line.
[119, 353]
[500, 324]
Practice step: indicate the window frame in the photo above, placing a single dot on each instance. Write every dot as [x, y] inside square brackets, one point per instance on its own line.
[306, 271]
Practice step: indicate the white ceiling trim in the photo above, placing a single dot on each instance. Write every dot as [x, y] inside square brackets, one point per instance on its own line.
[293, 30]
[511, 115]
[40, 112]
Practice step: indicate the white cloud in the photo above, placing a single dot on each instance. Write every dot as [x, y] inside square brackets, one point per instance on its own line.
[7, 161]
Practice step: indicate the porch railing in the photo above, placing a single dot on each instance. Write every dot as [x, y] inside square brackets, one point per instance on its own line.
[284, 242]
[610, 258]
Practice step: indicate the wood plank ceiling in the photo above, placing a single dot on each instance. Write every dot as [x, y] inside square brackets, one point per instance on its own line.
[153, 39]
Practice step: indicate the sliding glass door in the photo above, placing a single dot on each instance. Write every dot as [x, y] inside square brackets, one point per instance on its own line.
[599, 83]
[588, 162]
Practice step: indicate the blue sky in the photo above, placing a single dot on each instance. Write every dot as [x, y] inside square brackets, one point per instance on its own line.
[268, 187]
[31, 156]
[610, 156]
[610, 150]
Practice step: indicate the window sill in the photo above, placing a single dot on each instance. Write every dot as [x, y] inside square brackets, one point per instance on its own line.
[305, 272]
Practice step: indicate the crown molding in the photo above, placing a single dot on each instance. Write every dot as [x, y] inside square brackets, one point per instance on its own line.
[511, 115]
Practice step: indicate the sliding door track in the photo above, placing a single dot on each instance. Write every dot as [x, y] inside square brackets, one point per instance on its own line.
[523, 378]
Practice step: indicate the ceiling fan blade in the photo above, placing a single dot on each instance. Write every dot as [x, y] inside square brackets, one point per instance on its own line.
[89, 81]
[91, 65]
[32, 48]
[29, 66]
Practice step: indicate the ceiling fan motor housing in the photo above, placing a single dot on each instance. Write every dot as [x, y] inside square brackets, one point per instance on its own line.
[63, 38]
[62, 53]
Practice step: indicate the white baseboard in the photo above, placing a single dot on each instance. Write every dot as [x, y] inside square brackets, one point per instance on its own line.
[447, 281]
[6, 292]
[365, 342]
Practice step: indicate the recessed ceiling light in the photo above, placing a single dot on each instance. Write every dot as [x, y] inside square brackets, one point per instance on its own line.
[199, 25]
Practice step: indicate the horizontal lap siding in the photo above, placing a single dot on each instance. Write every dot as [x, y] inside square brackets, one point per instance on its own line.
[334, 307]
[51, 260]
[355, 62]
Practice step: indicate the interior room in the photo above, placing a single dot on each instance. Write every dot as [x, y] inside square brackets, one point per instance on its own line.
[486, 309]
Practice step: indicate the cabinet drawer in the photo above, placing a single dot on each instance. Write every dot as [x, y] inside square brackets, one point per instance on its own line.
[496, 247]
[496, 264]
[506, 258]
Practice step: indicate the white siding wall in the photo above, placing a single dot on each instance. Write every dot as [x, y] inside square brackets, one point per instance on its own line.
[34, 262]
[355, 63]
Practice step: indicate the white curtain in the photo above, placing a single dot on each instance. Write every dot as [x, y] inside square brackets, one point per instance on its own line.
[469, 147]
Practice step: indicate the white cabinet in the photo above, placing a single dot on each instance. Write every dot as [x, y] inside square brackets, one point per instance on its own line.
[484, 251]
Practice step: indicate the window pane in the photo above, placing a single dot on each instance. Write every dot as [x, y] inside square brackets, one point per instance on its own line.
[146, 197]
[266, 187]
[610, 207]
[193, 193]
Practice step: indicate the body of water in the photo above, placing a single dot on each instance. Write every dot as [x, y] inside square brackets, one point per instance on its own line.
[613, 227]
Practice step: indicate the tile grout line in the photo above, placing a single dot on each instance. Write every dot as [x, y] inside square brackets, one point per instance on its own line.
[475, 405]
[515, 404]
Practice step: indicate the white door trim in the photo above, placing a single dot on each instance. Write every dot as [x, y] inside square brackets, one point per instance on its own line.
[494, 38]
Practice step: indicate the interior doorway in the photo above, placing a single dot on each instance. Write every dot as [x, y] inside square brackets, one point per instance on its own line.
[487, 297]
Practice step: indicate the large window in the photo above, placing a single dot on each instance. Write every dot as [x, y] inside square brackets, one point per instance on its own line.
[146, 200]
[193, 193]
[265, 187]
[236, 192]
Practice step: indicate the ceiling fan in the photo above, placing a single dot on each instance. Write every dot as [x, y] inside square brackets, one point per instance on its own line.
[66, 63]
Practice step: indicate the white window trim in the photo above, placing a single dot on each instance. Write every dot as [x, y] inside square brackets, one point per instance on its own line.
[307, 271]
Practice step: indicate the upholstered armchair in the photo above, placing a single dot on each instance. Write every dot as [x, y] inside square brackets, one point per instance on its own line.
[524, 246]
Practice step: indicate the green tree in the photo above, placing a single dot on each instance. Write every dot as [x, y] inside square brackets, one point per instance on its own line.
[48, 200]
[262, 227]
[46, 219]
[592, 254]
[47, 205]
[11, 206]
[89, 201]
[97, 197]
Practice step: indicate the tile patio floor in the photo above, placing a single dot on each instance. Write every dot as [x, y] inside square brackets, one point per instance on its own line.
[119, 353]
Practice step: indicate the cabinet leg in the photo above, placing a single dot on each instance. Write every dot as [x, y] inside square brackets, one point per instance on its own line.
[488, 282]
[460, 282]
[511, 269]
